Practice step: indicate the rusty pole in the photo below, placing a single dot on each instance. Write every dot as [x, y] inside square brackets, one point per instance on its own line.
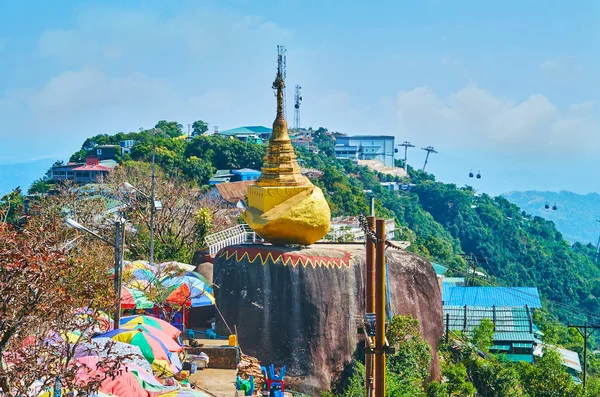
[380, 296]
[370, 302]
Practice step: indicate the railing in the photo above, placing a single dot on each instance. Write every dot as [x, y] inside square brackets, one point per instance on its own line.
[239, 234]
[354, 233]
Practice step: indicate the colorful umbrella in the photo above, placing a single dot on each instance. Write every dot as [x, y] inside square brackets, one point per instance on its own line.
[196, 291]
[162, 336]
[132, 298]
[123, 383]
[152, 348]
[152, 322]
[201, 278]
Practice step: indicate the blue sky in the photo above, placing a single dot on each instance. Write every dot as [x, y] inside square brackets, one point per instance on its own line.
[507, 87]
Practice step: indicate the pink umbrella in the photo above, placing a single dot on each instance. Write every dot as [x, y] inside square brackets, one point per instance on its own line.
[125, 383]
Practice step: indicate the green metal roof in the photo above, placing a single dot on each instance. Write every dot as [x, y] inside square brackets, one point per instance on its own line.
[500, 347]
[246, 130]
[516, 357]
[513, 337]
[439, 269]
[453, 280]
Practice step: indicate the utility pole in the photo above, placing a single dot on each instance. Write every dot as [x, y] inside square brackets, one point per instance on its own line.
[429, 150]
[598, 244]
[406, 145]
[380, 305]
[472, 264]
[152, 209]
[370, 302]
[588, 330]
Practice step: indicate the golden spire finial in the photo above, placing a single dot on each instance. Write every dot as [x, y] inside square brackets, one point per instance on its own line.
[280, 167]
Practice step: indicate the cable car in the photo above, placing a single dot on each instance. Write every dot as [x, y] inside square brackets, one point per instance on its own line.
[471, 174]
[554, 207]
[547, 206]
[478, 174]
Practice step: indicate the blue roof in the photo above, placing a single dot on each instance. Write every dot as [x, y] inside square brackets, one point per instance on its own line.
[245, 171]
[246, 130]
[491, 296]
[439, 269]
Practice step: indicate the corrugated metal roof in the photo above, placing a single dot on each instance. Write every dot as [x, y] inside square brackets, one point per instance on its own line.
[491, 296]
[252, 129]
[245, 171]
[517, 357]
[234, 191]
[569, 358]
[453, 281]
[508, 319]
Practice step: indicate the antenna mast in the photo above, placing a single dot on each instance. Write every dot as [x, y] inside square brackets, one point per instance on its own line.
[406, 145]
[429, 150]
[297, 101]
[281, 67]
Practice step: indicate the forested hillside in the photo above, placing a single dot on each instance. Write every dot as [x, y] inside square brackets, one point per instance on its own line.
[575, 216]
[442, 221]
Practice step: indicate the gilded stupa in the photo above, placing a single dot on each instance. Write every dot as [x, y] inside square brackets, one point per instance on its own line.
[284, 207]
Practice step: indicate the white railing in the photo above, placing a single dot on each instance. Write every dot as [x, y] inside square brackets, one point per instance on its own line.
[239, 234]
[353, 233]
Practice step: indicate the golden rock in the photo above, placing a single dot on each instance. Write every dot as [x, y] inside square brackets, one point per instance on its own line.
[284, 207]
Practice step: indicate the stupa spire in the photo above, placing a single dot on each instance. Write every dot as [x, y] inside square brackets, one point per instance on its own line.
[280, 167]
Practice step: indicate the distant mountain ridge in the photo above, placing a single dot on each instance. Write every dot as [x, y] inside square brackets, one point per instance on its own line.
[23, 174]
[575, 217]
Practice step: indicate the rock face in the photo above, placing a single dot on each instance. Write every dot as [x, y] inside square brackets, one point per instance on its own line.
[296, 307]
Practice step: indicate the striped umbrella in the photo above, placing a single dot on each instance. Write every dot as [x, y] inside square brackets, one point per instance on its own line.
[132, 298]
[152, 322]
[162, 336]
[191, 289]
[152, 348]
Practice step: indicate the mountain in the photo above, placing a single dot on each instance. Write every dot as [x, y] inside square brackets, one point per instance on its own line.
[575, 217]
[13, 175]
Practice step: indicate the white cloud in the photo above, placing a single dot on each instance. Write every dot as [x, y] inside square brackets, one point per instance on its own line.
[476, 118]
[562, 66]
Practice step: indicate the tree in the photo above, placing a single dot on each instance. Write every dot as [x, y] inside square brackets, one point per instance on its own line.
[483, 335]
[178, 234]
[171, 128]
[456, 381]
[548, 377]
[199, 127]
[44, 289]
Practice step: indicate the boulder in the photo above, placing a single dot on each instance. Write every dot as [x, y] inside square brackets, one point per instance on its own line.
[299, 306]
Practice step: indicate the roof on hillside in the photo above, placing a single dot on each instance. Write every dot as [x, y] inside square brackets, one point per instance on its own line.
[234, 191]
[93, 168]
[439, 269]
[245, 171]
[253, 129]
[491, 296]
[508, 319]
[569, 358]
[453, 281]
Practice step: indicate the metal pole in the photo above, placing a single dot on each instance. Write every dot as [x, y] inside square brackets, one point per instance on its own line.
[152, 210]
[406, 158]
[426, 159]
[447, 327]
[372, 207]
[117, 318]
[585, 338]
[370, 301]
[380, 303]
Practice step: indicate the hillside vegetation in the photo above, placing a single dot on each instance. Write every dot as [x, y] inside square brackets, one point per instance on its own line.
[442, 221]
[575, 217]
